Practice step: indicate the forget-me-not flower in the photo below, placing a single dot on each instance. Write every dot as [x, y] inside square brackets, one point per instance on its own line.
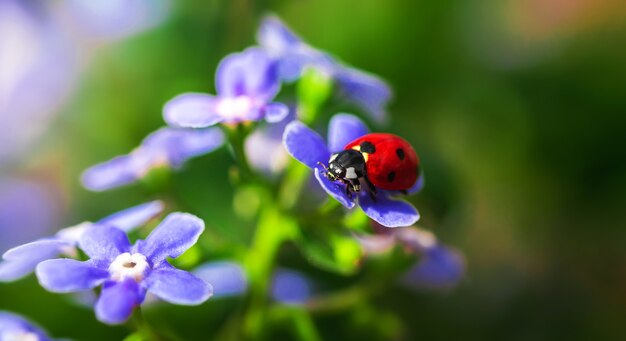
[439, 266]
[127, 272]
[169, 147]
[308, 147]
[22, 260]
[366, 90]
[16, 328]
[246, 83]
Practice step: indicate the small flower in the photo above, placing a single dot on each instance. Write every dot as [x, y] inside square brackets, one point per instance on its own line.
[439, 267]
[15, 328]
[28, 203]
[264, 147]
[246, 84]
[226, 277]
[113, 19]
[22, 260]
[366, 90]
[291, 287]
[308, 147]
[165, 147]
[127, 272]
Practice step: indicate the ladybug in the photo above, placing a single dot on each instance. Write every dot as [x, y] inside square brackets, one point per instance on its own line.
[384, 161]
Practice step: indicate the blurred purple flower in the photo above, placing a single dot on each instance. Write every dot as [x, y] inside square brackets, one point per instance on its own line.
[366, 90]
[22, 260]
[246, 84]
[15, 328]
[226, 277]
[308, 147]
[28, 210]
[164, 147]
[128, 272]
[439, 267]
[291, 287]
[113, 19]
[37, 73]
[264, 147]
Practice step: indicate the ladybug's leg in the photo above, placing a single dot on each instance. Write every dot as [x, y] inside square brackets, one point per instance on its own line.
[371, 189]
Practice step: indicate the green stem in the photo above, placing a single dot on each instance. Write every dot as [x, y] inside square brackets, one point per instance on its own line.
[272, 230]
[143, 327]
[237, 137]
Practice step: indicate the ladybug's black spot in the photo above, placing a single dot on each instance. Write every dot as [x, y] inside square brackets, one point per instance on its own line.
[400, 153]
[367, 147]
[391, 176]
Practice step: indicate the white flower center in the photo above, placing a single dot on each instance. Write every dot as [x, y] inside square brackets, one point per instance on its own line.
[129, 266]
[19, 336]
[235, 107]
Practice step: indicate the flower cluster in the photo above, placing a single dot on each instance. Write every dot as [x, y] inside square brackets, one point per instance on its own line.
[99, 257]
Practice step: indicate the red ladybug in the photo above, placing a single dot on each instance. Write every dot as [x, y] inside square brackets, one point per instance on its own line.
[383, 161]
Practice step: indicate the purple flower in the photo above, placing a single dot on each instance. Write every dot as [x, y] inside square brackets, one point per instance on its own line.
[291, 287]
[164, 147]
[14, 328]
[306, 146]
[127, 272]
[366, 90]
[22, 260]
[246, 84]
[264, 147]
[28, 210]
[37, 73]
[227, 278]
[114, 19]
[439, 267]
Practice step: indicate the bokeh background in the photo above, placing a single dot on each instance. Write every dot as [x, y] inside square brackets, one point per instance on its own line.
[516, 107]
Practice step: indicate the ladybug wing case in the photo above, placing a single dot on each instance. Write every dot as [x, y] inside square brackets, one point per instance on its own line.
[391, 162]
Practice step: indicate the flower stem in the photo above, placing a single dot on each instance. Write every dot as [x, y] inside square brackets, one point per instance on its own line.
[237, 137]
[143, 327]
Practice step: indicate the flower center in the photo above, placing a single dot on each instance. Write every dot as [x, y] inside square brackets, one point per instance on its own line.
[129, 266]
[235, 107]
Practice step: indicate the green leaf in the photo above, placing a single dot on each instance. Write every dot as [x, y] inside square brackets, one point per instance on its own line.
[331, 251]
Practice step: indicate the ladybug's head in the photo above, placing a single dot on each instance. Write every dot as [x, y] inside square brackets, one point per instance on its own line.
[347, 164]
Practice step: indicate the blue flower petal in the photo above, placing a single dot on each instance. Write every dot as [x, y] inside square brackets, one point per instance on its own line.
[389, 212]
[102, 242]
[366, 90]
[177, 286]
[274, 35]
[336, 190]
[16, 326]
[182, 144]
[226, 278]
[69, 275]
[418, 186]
[119, 171]
[176, 233]
[275, 112]
[440, 268]
[192, 110]
[131, 218]
[250, 73]
[117, 301]
[304, 144]
[22, 260]
[48, 247]
[291, 287]
[343, 129]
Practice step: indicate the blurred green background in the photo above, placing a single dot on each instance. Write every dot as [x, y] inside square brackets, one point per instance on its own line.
[517, 110]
